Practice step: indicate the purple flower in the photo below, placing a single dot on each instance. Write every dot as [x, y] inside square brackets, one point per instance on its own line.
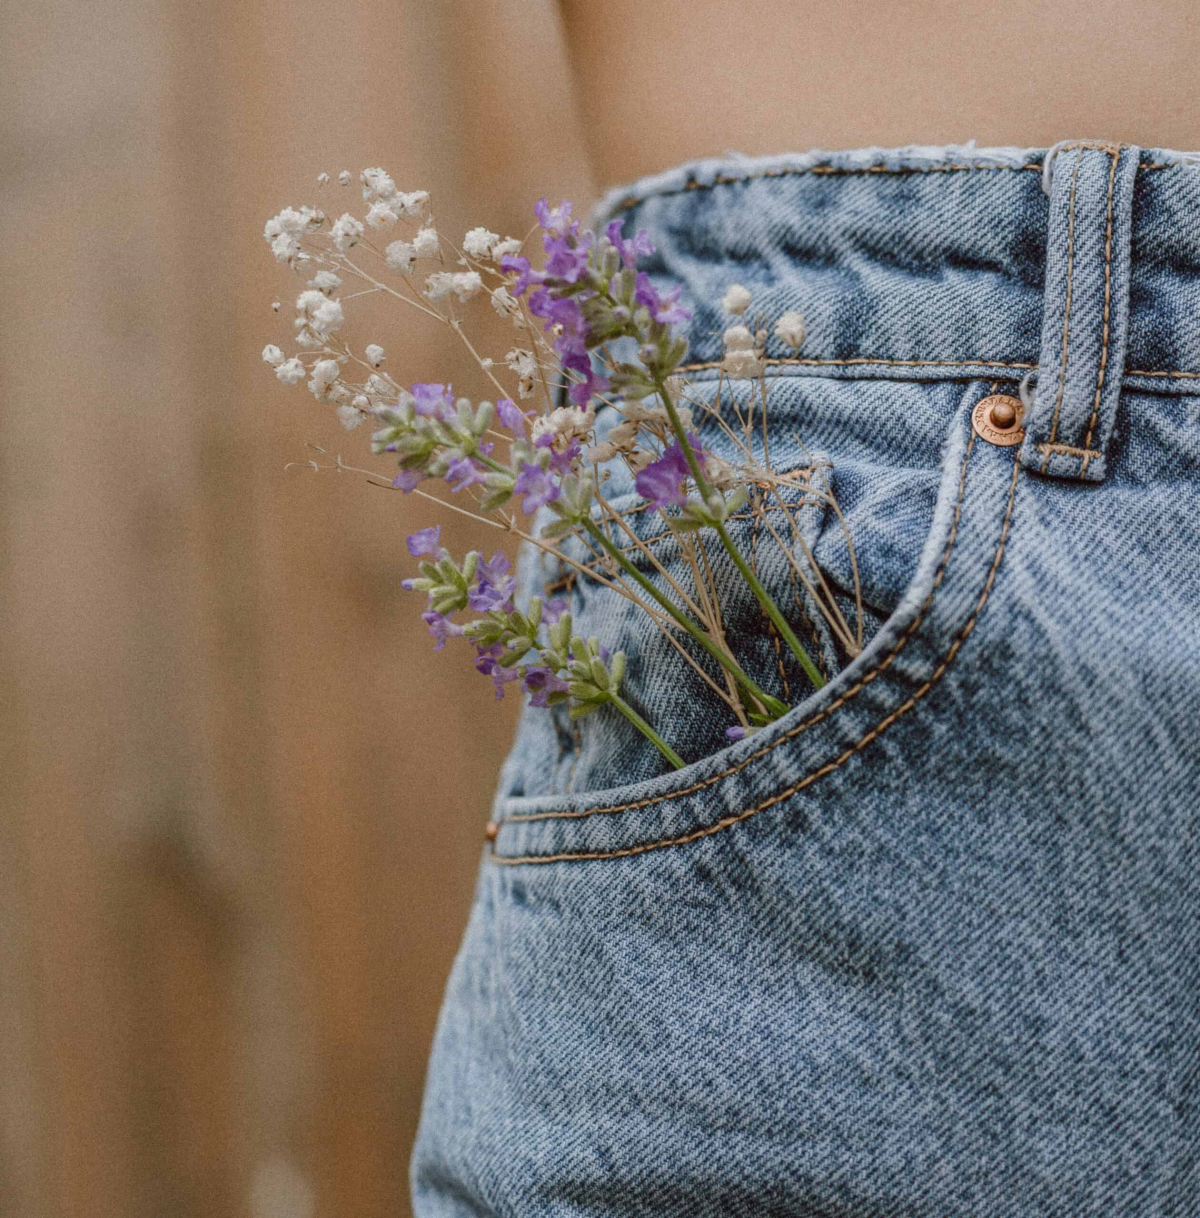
[568, 257]
[557, 223]
[553, 609]
[663, 306]
[735, 733]
[436, 400]
[661, 482]
[463, 472]
[511, 417]
[582, 391]
[629, 250]
[540, 682]
[441, 628]
[408, 479]
[488, 663]
[537, 485]
[425, 541]
[494, 587]
[518, 264]
[560, 462]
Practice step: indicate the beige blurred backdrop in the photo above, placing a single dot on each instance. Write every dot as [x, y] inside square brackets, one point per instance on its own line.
[239, 824]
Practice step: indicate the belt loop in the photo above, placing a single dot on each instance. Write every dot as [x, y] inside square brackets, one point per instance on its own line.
[1085, 321]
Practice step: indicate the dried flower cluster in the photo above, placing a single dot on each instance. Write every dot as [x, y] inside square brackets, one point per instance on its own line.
[503, 464]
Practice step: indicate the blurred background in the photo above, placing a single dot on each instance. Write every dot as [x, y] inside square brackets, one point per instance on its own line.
[242, 801]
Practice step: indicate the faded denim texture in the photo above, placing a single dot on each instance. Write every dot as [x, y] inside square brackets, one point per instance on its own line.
[929, 945]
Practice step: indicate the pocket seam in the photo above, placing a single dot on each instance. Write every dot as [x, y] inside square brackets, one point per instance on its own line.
[808, 779]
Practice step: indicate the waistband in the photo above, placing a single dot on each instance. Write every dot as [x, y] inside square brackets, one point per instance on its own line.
[1079, 264]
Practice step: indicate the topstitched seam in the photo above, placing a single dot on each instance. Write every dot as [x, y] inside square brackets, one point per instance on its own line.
[837, 704]
[1106, 333]
[919, 363]
[1066, 335]
[795, 788]
[842, 171]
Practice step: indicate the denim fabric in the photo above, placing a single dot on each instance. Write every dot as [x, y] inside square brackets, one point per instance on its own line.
[930, 944]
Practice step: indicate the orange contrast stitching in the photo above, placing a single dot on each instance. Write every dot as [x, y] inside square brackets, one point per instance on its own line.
[808, 780]
[923, 363]
[1066, 335]
[841, 701]
[1087, 443]
[1086, 453]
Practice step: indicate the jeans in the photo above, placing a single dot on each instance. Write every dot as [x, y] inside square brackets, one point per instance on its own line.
[929, 945]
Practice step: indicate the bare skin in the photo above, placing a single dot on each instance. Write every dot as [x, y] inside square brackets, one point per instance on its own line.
[662, 81]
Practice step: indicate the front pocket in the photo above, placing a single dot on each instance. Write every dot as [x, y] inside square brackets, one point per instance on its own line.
[886, 441]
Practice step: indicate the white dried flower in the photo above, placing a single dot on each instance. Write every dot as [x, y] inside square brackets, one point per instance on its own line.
[382, 214]
[326, 371]
[426, 243]
[349, 416]
[272, 355]
[325, 281]
[736, 300]
[510, 245]
[292, 372]
[464, 284]
[319, 389]
[738, 338]
[638, 459]
[413, 203]
[564, 425]
[327, 316]
[276, 305]
[345, 177]
[740, 364]
[362, 402]
[377, 184]
[599, 453]
[322, 179]
[400, 256]
[379, 386]
[346, 231]
[375, 354]
[285, 247]
[521, 362]
[478, 242]
[623, 435]
[506, 305]
[720, 473]
[789, 329]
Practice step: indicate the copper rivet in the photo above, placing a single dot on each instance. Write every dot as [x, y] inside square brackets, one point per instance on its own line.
[997, 419]
[492, 831]
[1004, 414]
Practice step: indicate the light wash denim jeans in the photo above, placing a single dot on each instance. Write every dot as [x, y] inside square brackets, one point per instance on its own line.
[930, 944]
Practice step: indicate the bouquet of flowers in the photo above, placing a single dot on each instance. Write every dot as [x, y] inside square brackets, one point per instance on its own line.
[596, 336]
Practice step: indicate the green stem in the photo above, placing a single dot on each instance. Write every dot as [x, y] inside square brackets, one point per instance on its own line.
[764, 598]
[771, 705]
[642, 726]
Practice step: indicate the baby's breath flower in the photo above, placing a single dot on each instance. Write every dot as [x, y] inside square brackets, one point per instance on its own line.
[376, 184]
[375, 354]
[400, 256]
[510, 245]
[506, 305]
[736, 300]
[413, 203]
[276, 305]
[464, 284]
[272, 355]
[563, 425]
[599, 453]
[425, 243]
[320, 312]
[382, 214]
[738, 338]
[345, 177]
[789, 329]
[361, 402]
[379, 386]
[322, 179]
[741, 365]
[346, 232]
[325, 281]
[525, 366]
[325, 371]
[292, 372]
[349, 416]
[478, 242]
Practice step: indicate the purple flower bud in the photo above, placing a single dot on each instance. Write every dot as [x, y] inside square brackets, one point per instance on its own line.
[553, 609]
[537, 485]
[441, 628]
[494, 587]
[661, 482]
[408, 479]
[434, 400]
[735, 733]
[511, 417]
[540, 682]
[488, 663]
[463, 472]
[425, 541]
